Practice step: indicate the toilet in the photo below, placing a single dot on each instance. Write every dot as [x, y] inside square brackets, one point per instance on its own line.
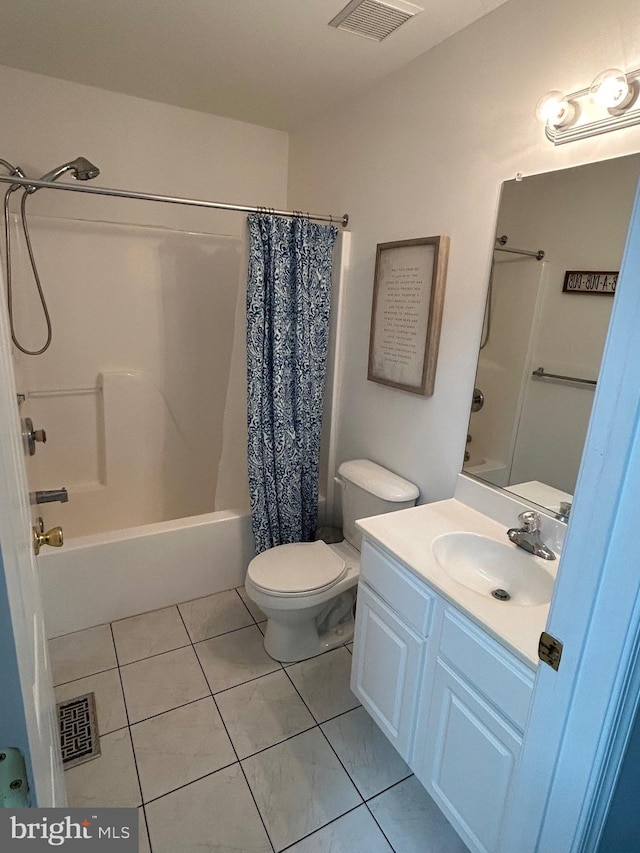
[307, 589]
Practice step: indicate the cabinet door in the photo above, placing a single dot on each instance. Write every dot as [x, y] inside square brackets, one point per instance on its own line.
[387, 662]
[469, 755]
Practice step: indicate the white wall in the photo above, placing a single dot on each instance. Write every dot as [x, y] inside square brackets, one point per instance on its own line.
[139, 145]
[154, 306]
[424, 153]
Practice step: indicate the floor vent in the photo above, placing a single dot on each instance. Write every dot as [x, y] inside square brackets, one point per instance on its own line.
[79, 739]
[374, 19]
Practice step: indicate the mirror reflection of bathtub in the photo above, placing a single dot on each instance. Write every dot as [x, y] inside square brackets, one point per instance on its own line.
[529, 434]
[490, 470]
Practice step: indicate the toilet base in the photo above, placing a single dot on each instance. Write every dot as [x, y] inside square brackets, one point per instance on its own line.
[300, 627]
[337, 636]
[291, 643]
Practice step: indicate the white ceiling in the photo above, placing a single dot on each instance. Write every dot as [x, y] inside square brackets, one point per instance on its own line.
[270, 62]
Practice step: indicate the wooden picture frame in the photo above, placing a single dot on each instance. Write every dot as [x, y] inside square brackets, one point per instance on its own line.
[406, 315]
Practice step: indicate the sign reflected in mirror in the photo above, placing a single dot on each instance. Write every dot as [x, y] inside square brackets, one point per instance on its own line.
[541, 347]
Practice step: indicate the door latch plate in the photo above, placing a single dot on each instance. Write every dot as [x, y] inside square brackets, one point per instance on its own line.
[550, 650]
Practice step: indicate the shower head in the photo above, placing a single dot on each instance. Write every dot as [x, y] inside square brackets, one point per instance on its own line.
[80, 168]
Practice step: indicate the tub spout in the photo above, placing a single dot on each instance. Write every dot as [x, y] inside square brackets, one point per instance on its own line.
[49, 495]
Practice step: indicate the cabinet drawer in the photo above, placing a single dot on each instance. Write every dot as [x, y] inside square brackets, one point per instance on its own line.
[398, 588]
[486, 664]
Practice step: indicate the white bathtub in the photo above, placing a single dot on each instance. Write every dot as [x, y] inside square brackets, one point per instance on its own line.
[489, 470]
[99, 578]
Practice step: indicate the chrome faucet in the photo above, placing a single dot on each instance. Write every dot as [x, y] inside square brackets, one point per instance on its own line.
[564, 510]
[528, 536]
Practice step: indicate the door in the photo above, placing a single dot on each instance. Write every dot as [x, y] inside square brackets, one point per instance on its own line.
[581, 714]
[27, 720]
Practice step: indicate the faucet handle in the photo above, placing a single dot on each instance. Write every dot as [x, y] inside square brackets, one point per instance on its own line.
[530, 520]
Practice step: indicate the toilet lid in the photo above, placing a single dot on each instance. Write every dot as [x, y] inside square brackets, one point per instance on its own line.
[297, 568]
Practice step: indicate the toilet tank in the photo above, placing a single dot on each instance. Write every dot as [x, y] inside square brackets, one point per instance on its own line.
[369, 489]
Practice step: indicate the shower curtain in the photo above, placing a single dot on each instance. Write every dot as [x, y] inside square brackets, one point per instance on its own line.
[288, 301]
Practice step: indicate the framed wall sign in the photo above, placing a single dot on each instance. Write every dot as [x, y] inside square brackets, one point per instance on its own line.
[576, 281]
[406, 316]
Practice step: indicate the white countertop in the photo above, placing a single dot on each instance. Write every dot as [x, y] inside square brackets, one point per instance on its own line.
[541, 494]
[407, 535]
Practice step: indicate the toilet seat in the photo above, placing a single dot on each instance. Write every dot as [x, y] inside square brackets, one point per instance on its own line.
[297, 569]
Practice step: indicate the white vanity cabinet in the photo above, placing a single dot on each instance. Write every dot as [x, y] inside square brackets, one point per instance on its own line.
[451, 698]
[393, 619]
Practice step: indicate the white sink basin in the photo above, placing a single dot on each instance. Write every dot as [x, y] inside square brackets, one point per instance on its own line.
[491, 567]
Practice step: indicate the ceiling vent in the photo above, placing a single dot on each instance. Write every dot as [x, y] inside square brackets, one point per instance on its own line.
[374, 19]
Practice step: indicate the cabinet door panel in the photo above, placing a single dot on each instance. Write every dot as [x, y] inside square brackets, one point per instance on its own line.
[386, 667]
[469, 760]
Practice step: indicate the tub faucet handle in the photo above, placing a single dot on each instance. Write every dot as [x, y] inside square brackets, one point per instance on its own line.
[32, 435]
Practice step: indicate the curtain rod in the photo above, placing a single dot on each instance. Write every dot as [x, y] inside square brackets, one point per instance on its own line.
[192, 202]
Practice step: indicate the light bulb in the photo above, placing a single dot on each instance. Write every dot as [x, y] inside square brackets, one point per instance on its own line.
[554, 109]
[611, 89]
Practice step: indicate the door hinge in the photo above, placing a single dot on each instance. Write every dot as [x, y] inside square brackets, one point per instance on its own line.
[14, 788]
[549, 650]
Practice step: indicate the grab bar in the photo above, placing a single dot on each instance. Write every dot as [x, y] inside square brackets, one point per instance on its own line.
[540, 374]
[64, 392]
[501, 247]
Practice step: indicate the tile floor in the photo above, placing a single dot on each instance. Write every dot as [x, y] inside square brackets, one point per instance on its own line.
[222, 748]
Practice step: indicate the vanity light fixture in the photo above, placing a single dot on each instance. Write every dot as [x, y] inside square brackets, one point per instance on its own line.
[608, 104]
[555, 110]
[612, 90]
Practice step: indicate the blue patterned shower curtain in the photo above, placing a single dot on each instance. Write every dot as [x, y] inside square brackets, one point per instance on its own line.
[288, 301]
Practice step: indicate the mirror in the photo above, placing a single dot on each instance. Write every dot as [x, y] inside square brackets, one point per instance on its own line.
[527, 430]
